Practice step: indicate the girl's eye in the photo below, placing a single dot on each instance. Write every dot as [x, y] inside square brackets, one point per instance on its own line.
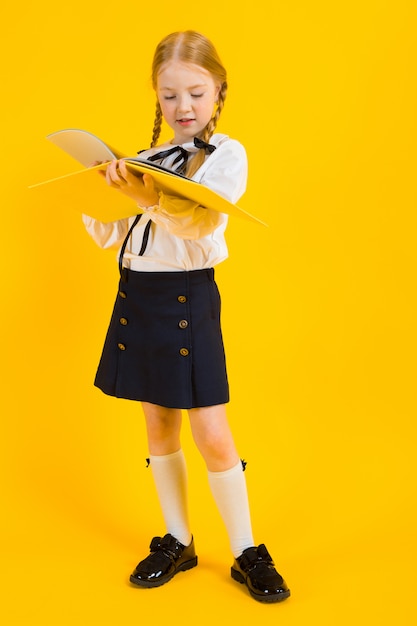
[169, 97]
[197, 95]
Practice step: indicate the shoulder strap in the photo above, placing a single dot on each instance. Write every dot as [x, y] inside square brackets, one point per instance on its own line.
[123, 248]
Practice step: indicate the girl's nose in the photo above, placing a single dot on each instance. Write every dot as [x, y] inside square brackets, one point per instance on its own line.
[184, 104]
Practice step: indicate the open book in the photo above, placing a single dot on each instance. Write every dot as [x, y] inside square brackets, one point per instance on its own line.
[92, 196]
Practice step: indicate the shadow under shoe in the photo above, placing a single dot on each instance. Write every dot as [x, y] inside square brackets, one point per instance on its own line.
[255, 568]
[168, 557]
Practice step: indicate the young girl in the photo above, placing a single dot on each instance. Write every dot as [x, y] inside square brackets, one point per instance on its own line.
[164, 345]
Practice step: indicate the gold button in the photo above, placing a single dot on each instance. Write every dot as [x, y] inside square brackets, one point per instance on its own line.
[123, 321]
[182, 299]
[183, 324]
[184, 352]
[121, 346]
[122, 294]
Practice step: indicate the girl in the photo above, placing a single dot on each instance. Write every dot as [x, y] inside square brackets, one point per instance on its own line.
[164, 345]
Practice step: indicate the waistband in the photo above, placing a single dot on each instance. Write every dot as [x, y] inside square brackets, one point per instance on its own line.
[191, 276]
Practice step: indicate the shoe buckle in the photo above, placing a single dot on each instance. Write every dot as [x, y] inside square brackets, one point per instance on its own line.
[251, 557]
[168, 545]
[155, 544]
[264, 554]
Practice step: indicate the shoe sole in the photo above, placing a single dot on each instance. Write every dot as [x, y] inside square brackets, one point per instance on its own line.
[279, 597]
[165, 579]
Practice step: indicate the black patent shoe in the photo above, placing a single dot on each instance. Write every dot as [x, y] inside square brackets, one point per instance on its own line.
[168, 557]
[255, 568]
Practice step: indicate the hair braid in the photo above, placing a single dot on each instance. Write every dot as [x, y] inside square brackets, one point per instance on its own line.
[199, 158]
[211, 126]
[157, 124]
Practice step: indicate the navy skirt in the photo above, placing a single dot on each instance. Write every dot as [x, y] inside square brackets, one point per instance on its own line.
[164, 343]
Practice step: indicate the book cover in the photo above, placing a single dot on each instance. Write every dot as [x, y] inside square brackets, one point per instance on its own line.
[89, 194]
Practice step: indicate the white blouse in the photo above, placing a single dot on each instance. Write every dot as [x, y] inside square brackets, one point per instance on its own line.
[183, 235]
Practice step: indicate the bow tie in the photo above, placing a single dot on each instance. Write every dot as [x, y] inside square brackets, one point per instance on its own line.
[182, 158]
[200, 144]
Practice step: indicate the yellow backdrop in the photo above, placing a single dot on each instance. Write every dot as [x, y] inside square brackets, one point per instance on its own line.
[318, 312]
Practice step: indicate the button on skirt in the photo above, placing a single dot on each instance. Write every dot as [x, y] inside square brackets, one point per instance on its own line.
[164, 343]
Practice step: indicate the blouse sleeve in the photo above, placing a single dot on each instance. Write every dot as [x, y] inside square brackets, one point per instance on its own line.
[107, 236]
[225, 172]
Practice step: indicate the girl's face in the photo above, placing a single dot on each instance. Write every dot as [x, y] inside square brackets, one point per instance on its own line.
[187, 94]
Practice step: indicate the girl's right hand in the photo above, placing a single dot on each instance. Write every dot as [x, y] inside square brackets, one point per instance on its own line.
[139, 188]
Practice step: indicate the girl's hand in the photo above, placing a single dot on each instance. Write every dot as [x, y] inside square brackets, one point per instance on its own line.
[140, 189]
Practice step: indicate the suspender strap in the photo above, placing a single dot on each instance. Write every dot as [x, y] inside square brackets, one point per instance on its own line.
[123, 248]
[145, 238]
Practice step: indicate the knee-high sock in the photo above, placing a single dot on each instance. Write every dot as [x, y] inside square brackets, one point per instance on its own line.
[230, 493]
[170, 476]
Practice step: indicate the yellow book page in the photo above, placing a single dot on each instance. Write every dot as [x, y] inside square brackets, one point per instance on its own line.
[85, 191]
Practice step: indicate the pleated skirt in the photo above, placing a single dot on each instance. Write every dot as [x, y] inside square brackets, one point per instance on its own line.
[164, 343]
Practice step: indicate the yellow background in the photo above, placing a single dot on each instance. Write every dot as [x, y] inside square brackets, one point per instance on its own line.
[318, 314]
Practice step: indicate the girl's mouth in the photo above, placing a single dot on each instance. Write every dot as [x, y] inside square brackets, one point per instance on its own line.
[185, 122]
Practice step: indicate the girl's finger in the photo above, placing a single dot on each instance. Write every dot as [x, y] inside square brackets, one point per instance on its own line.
[123, 171]
[113, 174]
[148, 182]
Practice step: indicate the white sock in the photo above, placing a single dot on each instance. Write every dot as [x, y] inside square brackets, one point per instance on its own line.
[170, 476]
[230, 493]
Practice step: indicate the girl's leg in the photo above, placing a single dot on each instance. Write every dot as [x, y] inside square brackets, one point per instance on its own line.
[163, 427]
[252, 566]
[214, 439]
[168, 468]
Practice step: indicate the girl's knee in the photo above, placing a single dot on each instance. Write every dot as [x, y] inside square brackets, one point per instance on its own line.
[163, 428]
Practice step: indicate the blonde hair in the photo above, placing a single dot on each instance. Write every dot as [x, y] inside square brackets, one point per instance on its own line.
[190, 47]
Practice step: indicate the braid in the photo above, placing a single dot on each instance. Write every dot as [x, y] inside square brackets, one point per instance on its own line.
[198, 160]
[211, 126]
[157, 124]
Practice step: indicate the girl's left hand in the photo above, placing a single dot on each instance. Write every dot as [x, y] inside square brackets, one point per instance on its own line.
[140, 189]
